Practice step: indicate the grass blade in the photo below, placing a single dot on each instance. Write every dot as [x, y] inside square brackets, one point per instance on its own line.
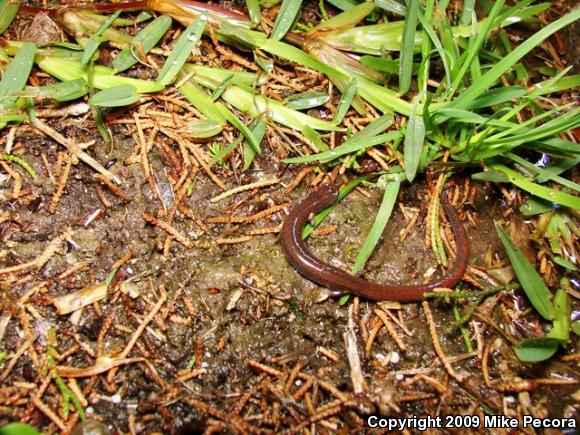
[8, 10]
[385, 65]
[474, 47]
[438, 46]
[256, 105]
[306, 100]
[408, 46]
[532, 283]
[181, 51]
[267, 65]
[392, 6]
[490, 77]
[16, 75]
[320, 216]
[466, 10]
[546, 174]
[259, 130]
[96, 40]
[210, 77]
[557, 166]
[343, 5]
[494, 97]
[368, 136]
[142, 43]
[204, 128]
[345, 20]
[116, 96]
[537, 349]
[286, 17]
[345, 102]
[561, 329]
[376, 231]
[221, 87]
[315, 138]
[243, 128]
[254, 11]
[543, 192]
[62, 91]
[202, 102]
[103, 77]
[350, 146]
[413, 146]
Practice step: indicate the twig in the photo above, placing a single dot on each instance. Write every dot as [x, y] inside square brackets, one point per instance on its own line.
[350, 342]
[74, 149]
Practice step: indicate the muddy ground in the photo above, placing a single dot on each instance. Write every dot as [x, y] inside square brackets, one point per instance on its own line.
[240, 341]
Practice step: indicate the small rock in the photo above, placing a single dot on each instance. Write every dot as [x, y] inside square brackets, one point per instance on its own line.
[90, 427]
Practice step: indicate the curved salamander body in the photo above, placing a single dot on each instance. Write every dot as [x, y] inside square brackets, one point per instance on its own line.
[336, 279]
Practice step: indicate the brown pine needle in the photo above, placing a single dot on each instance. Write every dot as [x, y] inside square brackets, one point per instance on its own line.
[328, 353]
[17, 179]
[437, 344]
[114, 188]
[251, 186]
[266, 230]
[169, 229]
[303, 173]
[74, 149]
[385, 319]
[376, 327]
[15, 357]
[144, 324]
[251, 218]
[48, 412]
[232, 240]
[264, 368]
[61, 185]
[41, 260]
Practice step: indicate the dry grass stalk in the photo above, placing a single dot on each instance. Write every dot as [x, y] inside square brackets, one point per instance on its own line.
[70, 302]
[102, 365]
[74, 149]
[350, 341]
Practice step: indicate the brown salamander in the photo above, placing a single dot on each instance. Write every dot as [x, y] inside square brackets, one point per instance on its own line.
[336, 279]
